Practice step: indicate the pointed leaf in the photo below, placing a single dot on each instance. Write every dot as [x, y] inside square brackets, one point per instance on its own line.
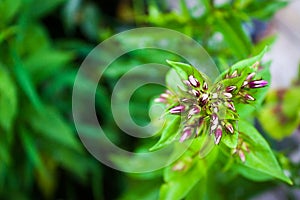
[168, 132]
[8, 100]
[260, 157]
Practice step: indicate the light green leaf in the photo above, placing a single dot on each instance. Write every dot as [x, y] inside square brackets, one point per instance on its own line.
[260, 157]
[169, 132]
[182, 69]
[180, 183]
[230, 140]
[250, 61]
[179, 186]
[251, 173]
[8, 100]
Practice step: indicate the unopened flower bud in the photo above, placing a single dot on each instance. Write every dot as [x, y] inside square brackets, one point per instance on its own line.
[160, 100]
[196, 93]
[242, 156]
[250, 76]
[230, 88]
[249, 97]
[177, 109]
[195, 110]
[229, 127]
[230, 105]
[227, 95]
[187, 131]
[204, 99]
[218, 135]
[258, 84]
[205, 86]
[194, 82]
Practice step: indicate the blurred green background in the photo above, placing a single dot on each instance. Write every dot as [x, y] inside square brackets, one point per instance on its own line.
[42, 44]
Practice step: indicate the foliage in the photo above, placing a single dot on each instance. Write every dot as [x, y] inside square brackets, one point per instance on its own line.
[42, 45]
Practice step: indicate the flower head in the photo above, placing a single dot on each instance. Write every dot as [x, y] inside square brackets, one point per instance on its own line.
[212, 106]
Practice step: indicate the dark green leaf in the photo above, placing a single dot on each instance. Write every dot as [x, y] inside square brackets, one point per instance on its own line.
[8, 100]
[50, 124]
[25, 82]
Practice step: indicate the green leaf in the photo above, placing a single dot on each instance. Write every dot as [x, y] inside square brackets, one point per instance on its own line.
[8, 100]
[180, 182]
[234, 36]
[8, 32]
[179, 186]
[260, 157]
[8, 10]
[251, 173]
[264, 10]
[182, 69]
[45, 63]
[25, 82]
[39, 8]
[45, 178]
[168, 132]
[250, 61]
[50, 124]
[230, 140]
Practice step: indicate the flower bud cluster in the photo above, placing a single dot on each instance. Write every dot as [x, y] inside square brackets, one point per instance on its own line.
[205, 107]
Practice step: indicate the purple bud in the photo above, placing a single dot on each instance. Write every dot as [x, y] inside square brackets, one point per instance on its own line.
[186, 134]
[187, 83]
[214, 116]
[218, 135]
[195, 110]
[205, 86]
[230, 88]
[258, 84]
[194, 82]
[229, 127]
[204, 98]
[177, 109]
[227, 95]
[230, 105]
[249, 97]
[196, 93]
[250, 76]
[185, 100]
[168, 92]
[242, 156]
[214, 123]
[160, 100]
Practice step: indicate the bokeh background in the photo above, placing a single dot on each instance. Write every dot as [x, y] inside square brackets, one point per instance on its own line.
[42, 44]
